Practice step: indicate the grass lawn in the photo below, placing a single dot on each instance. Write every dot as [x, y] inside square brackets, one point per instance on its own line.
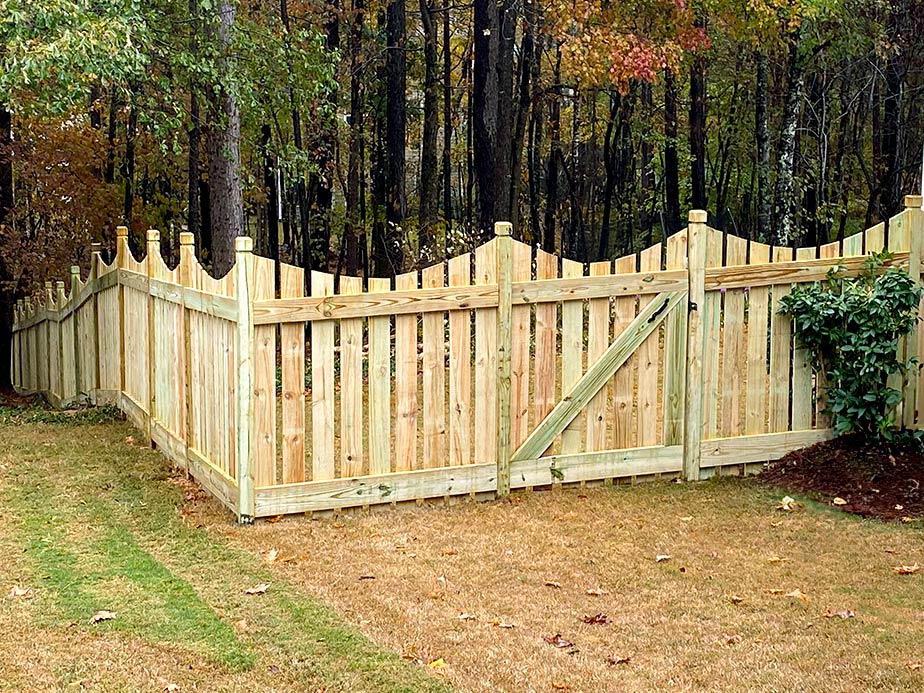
[93, 520]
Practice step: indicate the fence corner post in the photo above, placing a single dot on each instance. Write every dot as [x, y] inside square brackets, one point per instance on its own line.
[504, 241]
[693, 390]
[78, 373]
[914, 213]
[121, 255]
[244, 353]
[153, 250]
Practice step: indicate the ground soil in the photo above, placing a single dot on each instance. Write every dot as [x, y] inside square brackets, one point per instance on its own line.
[873, 480]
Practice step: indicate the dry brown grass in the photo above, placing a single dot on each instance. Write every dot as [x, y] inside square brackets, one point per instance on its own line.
[709, 618]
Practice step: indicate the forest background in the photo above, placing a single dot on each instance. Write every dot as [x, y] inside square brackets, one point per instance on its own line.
[368, 138]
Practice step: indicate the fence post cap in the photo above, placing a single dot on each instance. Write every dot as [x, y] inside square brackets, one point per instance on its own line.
[75, 270]
[503, 228]
[59, 285]
[243, 244]
[914, 201]
[698, 216]
[187, 238]
[121, 232]
[153, 235]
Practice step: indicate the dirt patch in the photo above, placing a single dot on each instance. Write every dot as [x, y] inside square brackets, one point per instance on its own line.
[871, 480]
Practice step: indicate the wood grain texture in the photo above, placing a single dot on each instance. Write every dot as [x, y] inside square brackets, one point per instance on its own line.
[675, 351]
[780, 351]
[264, 380]
[733, 344]
[519, 349]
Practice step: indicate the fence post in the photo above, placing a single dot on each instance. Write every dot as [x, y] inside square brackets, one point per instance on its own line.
[75, 287]
[914, 213]
[61, 299]
[187, 258]
[49, 305]
[153, 248]
[696, 342]
[96, 258]
[121, 256]
[244, 353]
[504, 243]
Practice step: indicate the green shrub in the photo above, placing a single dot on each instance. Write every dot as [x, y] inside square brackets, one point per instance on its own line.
[852, 328]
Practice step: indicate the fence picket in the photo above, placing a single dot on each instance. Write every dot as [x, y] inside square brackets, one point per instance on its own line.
[322, 385]
[625, 435]
[351, 386]
[486, 360]
[460, 368]
[379, 387]
[756, 397]
[649, 361]
[572, 355]
[598, 339]
[406, 382]
[292, 348]
[519, 350]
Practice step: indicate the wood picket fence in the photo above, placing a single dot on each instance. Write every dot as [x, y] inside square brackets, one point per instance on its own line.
[503, 368]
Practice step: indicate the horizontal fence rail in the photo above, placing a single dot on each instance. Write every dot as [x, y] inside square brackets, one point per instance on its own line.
[507, 367]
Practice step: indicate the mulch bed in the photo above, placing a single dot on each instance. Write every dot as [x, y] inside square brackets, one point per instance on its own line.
[875, 480]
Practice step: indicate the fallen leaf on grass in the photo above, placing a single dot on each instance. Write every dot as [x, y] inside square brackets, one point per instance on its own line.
[661, 557]
[617, 660]
[776, 559]
[448, 552]
[271, 555]
[558, 641]
[906, 519]
[907, 569]
[596, 620]
[436, 594]
[130, 440]
[597, 591]
[101, 616]
[915, 666]
[552, 583]
[367, 576]
[732, 639]
[257, 589]
[899, 507]
[787, 503]
[20, 593]
[735, 599]
[466, 617]
[843, 615]
[688, 518]
[437, 663]
[839, 501]
[502, 624]
[170, 687]
[798, 594]
[560, 686]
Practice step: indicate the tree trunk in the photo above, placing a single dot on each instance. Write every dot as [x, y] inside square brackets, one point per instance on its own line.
[389, 255]
[552, 173]
[447, 128]
[762, 139]
[354, 166]
[429, 172]
[224, 141]
[671, 163]
[698, 130]
[785, 194]
[524, 97]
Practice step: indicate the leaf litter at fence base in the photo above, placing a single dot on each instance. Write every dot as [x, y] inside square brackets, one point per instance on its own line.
[871, 480]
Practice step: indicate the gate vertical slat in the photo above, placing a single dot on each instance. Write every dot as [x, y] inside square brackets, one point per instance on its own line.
[572, 354]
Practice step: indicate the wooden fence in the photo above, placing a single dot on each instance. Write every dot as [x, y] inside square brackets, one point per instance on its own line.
[504, 368]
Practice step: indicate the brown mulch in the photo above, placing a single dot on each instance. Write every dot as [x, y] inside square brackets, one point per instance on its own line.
[875, 480]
